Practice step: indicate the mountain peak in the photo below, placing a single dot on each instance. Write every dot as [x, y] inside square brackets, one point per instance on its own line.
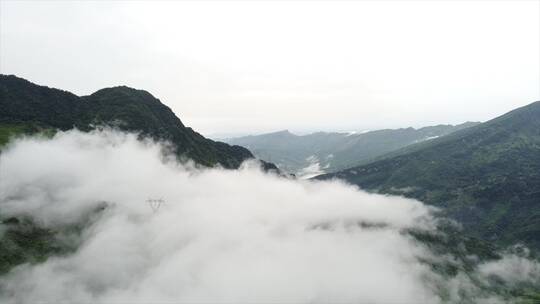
[123, 91]
[29, 104]
[282, 132]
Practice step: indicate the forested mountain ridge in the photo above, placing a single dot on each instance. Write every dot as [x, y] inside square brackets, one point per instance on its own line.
[27, 107]
[333, 151]
[487, 177]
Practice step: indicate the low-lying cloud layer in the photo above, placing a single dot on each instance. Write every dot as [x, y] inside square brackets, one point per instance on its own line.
[239, 236]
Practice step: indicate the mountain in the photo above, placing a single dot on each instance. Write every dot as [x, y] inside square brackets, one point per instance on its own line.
[26, 108]
[487, 177]
[328, 152]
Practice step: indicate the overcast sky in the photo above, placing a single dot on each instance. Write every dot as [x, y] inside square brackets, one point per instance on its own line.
[250, 67]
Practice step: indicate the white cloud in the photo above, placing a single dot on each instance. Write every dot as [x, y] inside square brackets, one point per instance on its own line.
[512, 269]
[221, 236]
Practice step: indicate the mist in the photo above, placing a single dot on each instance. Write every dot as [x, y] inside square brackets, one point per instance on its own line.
[220, 235]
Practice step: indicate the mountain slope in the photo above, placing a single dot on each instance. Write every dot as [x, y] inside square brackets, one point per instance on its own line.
[24, 105]
[487, 176]
[334, 151]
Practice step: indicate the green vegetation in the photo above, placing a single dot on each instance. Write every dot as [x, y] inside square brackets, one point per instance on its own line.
[9, 131]
[468, 254]
[25, 106]
[23, 241]
[487, 177]
[530, 297]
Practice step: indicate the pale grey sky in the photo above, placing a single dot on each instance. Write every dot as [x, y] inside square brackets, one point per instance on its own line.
[249, 67]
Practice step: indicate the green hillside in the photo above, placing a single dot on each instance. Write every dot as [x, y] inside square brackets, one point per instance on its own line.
[26, 108]
[487, 177]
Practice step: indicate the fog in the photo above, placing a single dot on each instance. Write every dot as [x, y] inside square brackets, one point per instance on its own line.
[242, 236]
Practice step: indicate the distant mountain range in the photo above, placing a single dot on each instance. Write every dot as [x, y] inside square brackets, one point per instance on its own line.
[487, 176]
[321, 152]
[26, 108]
